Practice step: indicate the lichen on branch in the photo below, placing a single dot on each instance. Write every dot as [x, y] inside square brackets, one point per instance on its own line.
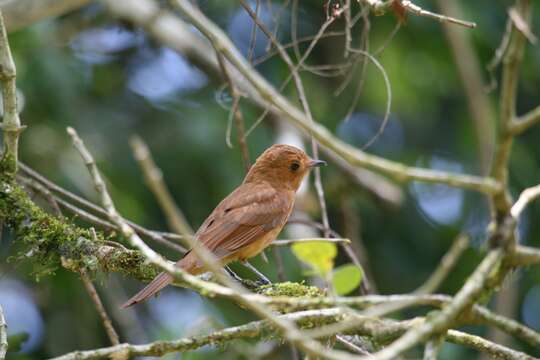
[49, 241]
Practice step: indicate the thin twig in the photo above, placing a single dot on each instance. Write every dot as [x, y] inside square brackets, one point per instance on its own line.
[467, 295]
[525, 256]
[166, 239]
[294, 241]
[43, 191]
[526, 121]
[3, 335]
[411, 7]
[525, 198]
[154, 179]
[508, 97]
[348, 27]
[236, 114]
[253, 38]
[522, 25]
[432, 348]
[447, 264]
[11, 124]
[107, 323]
[388, 87]
[380, 6]
[351, 346]
[470, 72]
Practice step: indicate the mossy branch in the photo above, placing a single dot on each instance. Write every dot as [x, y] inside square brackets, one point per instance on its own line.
[11, 124]
[50, 241]
[380, 329]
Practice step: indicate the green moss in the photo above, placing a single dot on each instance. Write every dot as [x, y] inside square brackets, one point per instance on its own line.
[290, 289]
[8, 164]
[50, 242]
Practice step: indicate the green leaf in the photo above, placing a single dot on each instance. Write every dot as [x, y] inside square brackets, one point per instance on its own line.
[318, 254]
[346, 278]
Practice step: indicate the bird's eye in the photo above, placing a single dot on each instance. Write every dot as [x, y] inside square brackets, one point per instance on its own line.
[294, 166]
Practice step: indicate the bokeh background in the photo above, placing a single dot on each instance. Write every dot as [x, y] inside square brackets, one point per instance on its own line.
[110, 81]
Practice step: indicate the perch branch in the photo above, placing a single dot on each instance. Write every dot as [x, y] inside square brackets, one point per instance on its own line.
[382, 330]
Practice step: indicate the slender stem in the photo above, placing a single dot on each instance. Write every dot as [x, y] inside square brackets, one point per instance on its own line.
[166, 239]
[447, 264]
[526, 121]
[525, 198]
[510, 76]
[12, 124]
[293, 241]
[468, 294]
[3, 335]
[154, 179]
[470, 71]
[236, 112]
[433, 347]
[107, 323]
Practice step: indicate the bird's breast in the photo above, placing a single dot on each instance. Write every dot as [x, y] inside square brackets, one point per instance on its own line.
[259, 245]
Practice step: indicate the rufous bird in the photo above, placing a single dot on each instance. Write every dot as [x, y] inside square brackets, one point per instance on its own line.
[250, 218]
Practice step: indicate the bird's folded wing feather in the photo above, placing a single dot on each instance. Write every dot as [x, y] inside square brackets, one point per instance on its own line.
[246, 215]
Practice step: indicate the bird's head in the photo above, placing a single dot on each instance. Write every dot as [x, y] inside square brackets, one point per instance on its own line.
[282, 165]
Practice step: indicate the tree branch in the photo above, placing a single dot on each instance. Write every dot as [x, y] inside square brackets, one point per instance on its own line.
[510, 75]
[381, 6]
[3, 335]
[525, 198]
[154, 179]
[526, 121]
[22, 13]
[469, 293]
[446, 265]
[107, 323]
[11, 124]
[167, 239]
[381, 330]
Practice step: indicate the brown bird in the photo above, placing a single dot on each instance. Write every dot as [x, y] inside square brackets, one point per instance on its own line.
[250, 218]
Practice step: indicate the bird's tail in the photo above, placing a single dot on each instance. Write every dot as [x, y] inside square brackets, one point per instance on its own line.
[149, 290]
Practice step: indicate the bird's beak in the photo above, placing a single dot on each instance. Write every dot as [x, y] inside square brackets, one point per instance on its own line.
[316, 163]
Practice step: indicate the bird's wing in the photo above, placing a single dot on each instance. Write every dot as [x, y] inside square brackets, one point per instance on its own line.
[247, 214]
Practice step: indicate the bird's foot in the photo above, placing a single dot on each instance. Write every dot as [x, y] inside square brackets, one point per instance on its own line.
[262, 278]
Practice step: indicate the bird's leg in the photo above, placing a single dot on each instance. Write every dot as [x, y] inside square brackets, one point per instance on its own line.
[260, 275]
[233, 275]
